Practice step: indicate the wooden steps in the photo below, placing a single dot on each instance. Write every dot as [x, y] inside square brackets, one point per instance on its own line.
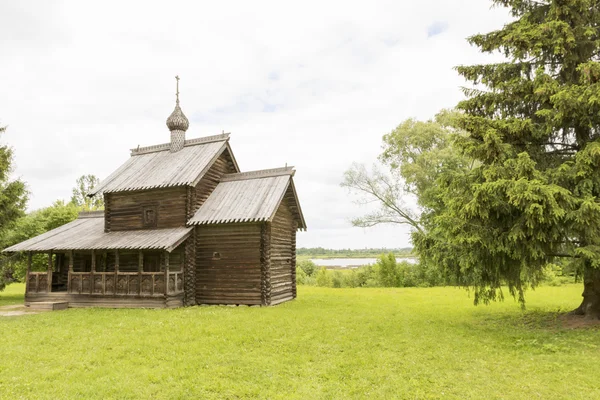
[49, 305]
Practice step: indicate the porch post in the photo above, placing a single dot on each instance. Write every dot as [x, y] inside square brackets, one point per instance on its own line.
[166, 273]
[70, 271]
[140, 269]
[92, 272]
[50, 272]
[28, 271]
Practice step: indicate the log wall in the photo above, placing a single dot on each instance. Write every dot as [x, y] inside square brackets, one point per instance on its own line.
[283, 255]
[228, 264]
[124, 210]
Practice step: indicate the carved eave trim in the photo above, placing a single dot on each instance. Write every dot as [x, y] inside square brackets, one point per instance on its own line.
[91, 214]
[265, 173]
[192, 142]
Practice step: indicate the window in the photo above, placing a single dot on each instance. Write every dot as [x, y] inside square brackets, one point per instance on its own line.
[82, 262]
[129, 261]
[150, 216]
[152, 261]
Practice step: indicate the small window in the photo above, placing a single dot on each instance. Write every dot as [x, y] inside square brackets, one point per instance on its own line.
[150, 216]
[216, 255]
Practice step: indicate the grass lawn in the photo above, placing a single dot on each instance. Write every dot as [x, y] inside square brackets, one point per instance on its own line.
[13, 294]
[329, 343]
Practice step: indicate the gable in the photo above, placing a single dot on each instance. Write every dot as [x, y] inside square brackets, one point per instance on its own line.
[249, 197]
[156, 167]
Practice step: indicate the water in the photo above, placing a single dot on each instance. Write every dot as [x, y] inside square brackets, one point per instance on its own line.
[352, 262]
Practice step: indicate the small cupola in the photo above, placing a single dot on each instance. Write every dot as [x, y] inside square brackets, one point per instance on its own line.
[177, 124]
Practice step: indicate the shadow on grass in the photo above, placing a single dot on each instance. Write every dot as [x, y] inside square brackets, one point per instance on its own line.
[538, 320]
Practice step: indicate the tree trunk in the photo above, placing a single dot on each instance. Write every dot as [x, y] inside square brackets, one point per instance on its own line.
[590, 306]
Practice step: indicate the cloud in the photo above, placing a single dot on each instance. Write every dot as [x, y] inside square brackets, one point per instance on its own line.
[312, 84]
[437, 28]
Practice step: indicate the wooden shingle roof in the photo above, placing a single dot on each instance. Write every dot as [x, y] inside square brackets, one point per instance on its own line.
[248, 197]
[87, 233]
[157, 167]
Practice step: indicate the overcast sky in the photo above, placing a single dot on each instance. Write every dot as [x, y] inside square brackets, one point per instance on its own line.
[311, 84]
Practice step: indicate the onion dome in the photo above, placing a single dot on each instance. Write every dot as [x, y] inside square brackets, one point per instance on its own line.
[177, 121]
[177, 124]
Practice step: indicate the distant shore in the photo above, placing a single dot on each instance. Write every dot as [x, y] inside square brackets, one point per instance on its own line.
[328, 257]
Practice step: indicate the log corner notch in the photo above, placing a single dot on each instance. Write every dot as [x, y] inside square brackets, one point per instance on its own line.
[265, 264]
[189, 271]
[590, 306]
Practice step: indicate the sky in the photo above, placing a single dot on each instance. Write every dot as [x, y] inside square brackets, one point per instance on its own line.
[312, 84]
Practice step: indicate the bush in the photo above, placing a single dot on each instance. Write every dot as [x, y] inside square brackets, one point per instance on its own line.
[554, 275]
[300, 276]
[387, 272]
[324, 278]
[337, 279]
[309, 267]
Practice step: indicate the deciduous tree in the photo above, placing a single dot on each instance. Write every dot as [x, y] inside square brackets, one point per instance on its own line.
[80, 198]
[414, 155]
[13, 198]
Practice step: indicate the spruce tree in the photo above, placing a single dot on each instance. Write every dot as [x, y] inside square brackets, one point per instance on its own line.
[532, 197]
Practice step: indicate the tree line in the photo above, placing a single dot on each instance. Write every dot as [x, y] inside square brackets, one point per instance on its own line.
[367, 252]
[17, 225]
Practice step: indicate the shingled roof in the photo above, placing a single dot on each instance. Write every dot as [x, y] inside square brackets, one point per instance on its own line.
[87, 232]
[249, 197]
[158, 167]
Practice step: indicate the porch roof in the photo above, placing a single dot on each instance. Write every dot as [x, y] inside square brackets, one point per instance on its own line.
[87, 233]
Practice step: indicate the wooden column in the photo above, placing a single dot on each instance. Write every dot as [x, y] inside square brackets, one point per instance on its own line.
[140, 269]
[29, 256]
[92, 272]
[167, 274]
[49, 272]
[116, 271]
[70, 271]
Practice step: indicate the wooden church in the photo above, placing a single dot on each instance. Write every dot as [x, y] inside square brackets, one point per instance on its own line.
[182, 225]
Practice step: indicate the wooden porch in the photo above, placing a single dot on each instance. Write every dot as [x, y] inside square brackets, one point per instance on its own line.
[110, 286]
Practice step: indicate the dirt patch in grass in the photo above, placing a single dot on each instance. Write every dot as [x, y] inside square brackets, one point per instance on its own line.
[570, 321]
[15, 310]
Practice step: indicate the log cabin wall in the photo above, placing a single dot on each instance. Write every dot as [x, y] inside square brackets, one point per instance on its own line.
[283, 255]
[228, 264]
[125, 210]
[223, 165]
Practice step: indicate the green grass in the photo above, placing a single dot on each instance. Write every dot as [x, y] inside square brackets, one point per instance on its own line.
[329, 343]
[13, 294]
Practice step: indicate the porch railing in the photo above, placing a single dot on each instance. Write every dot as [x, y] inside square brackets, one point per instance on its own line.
[37, 282]
[125, 283]
[138, 283]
